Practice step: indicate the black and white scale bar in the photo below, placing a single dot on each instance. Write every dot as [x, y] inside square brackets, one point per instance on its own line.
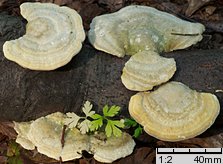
[189, 151]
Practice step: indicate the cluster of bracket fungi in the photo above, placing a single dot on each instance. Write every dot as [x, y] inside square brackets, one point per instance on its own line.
[173, 112]
[45, 134]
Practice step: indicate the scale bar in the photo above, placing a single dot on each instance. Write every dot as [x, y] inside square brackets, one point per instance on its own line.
[188, 152]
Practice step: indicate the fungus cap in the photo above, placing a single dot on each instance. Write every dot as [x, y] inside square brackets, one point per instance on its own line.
[147, 69]
[138, 28]
[22, 129]
[112, 148]
[45, 134]
[53, 36]
[174, 112]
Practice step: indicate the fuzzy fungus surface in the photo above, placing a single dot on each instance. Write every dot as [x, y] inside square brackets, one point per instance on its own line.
[53, 36]
[147, 69]
[45, 134]
[138, 28]
[112, 148]
[174, 112]
[143, 31]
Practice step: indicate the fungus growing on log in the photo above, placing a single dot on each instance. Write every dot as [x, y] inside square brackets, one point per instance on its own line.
[143, 31]
[112, 148]
[45, 134]
[139, 28]
[147, 69]
[22, 129]
[53, 36]
[174, 112]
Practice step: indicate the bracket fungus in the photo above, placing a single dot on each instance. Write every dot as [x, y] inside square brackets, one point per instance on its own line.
[53, 36]
[174, 112]
[45, 134]
[138, 28]
[22, 129]
[147, 69]
[143, 31]
[112, 148]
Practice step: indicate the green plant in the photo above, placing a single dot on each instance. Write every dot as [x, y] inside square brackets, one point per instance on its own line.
[105, 122]
[73, 120]
[111, 126]
[129, 122]
[13, 153]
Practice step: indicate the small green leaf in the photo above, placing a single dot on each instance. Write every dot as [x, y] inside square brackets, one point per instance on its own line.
[13, 153]
[118, 123]
[14, 160]
[96, 124]
[130, 122]
[13, 149]
[112, 111]
[112, 128]
[96, 116]
[108, 129]
[116, 131]
[105, 110]
[138, 132]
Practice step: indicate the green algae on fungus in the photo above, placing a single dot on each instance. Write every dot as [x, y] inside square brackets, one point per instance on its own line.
[138, 28]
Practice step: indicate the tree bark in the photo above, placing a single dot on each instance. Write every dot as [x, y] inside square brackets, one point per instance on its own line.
[91, 75]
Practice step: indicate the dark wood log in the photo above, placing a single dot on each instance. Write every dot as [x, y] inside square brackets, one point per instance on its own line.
[95, 76]
[91, 75]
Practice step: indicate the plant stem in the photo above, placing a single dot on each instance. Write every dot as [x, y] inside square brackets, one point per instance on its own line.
[62, 140]
[63, 136]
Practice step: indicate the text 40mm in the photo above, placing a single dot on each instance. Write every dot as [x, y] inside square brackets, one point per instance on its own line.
[202, 159]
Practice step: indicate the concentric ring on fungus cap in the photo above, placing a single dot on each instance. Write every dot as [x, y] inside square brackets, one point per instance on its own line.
[53, 36]
[147, 69]
[174, 112]
[141, 28]
[143, 31]
[45, 133]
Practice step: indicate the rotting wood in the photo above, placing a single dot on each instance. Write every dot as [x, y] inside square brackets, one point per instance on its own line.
[91, 75]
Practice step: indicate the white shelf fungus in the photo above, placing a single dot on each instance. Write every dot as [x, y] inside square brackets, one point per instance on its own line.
[113, 148]
[22, 129]
[147, 69]
[137, 28]
[45, 134]
[53, 36]
[174, 112]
